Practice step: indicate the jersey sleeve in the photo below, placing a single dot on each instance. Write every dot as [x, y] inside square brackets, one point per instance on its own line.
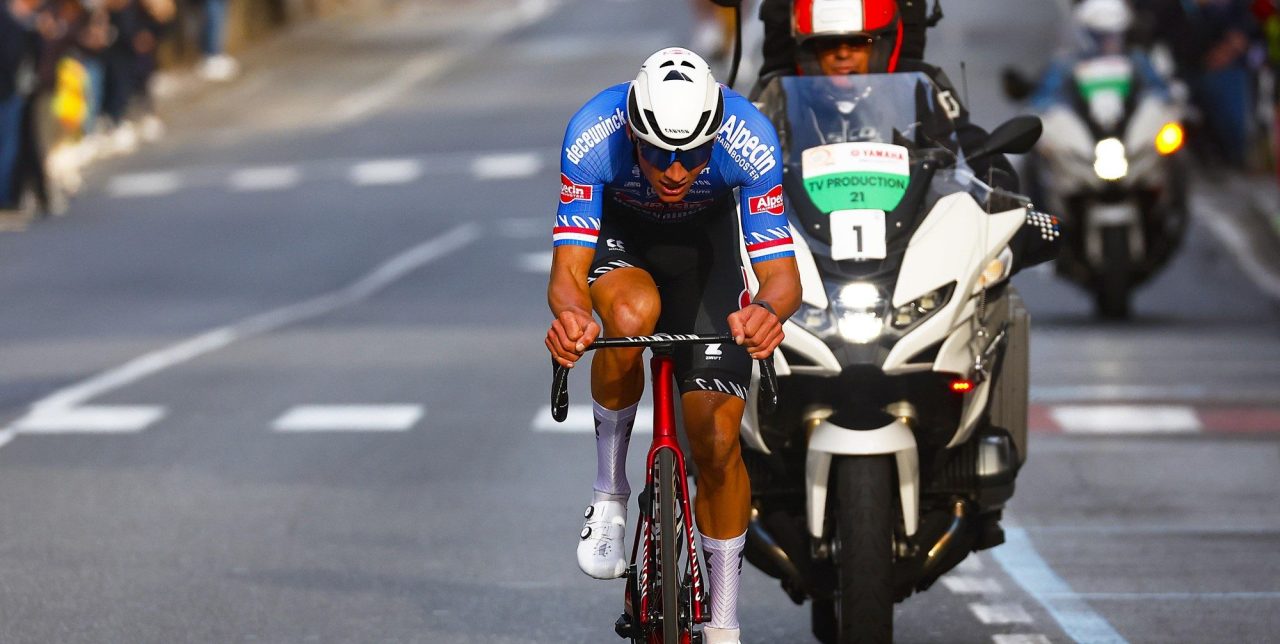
[754, 166]
[594, 136]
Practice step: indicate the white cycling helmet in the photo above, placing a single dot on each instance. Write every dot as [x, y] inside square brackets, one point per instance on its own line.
[1107, 16]
[675, 103]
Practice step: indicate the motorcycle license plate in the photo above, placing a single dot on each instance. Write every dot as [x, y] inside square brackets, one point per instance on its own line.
[858, 235]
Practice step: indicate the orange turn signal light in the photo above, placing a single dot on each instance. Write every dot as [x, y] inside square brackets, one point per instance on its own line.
[962, 386]
[1170, 138]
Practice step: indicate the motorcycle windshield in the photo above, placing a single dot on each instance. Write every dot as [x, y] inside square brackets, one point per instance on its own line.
[855, 153]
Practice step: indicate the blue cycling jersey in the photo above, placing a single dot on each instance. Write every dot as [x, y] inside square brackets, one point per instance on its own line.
[598, 163]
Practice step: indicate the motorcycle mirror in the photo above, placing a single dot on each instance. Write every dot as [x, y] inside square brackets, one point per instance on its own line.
[1016, 86]
[1015, 136]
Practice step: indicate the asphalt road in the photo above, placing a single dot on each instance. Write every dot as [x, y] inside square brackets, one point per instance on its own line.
[280, 378]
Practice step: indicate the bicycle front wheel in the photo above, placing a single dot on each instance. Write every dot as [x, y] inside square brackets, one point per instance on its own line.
[669, 547]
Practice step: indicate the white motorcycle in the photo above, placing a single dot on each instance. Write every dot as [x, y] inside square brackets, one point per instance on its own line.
[1108, 165]
[903, 377]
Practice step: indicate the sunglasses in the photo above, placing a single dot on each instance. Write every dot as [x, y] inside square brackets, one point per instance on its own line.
[662, 159]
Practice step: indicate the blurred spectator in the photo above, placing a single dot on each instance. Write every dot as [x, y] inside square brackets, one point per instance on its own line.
[19, 48]
[217, 65]
[1210, 42]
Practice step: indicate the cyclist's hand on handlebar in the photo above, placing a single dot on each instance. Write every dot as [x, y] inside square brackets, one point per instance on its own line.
[570, 335]
[757, 330]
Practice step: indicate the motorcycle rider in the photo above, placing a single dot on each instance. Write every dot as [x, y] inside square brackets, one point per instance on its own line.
[841, 37]
[1101, 29]
[650, 172]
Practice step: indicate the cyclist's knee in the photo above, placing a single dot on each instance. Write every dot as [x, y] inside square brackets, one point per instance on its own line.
[632, 315]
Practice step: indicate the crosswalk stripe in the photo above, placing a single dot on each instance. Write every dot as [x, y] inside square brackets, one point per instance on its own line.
[143, 184]
[1020, 638]
[1001, 613]
[506, 166]
[971, 585]
[535, 262]
[89, 419]
[1126, 419]
[349, 418]
[581, 421]
[264, 178]
[385, 172]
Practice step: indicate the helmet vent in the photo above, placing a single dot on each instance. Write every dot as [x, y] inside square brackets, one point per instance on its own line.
[685, 63]
[676, 75]
[667, 64]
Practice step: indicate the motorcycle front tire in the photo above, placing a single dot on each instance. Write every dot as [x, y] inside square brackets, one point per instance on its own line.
[865, 514]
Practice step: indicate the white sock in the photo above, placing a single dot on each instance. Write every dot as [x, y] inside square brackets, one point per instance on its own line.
[613, 435]
[724, 568]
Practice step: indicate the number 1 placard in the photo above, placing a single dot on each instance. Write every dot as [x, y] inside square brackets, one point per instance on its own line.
[858, 234]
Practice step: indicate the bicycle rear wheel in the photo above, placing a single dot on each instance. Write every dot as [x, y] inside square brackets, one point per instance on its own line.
[669, 547]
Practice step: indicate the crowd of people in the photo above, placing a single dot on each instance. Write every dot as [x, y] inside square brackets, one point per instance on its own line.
[1227, 54]
[75, 85]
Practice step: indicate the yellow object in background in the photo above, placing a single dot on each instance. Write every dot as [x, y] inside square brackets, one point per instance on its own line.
[71, 96]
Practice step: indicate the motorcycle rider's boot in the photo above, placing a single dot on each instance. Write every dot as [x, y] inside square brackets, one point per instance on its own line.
[601, 550]
[721, 635]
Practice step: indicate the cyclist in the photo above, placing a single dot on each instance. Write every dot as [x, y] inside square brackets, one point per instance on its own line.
[647, 236]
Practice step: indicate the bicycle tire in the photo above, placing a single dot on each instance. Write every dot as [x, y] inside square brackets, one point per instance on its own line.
[668, 545]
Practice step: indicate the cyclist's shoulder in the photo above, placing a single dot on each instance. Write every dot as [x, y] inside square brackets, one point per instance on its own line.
[748, 142]
[595, 135]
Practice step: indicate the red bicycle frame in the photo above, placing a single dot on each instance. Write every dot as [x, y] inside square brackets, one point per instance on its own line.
[645, 574]
[662, 366]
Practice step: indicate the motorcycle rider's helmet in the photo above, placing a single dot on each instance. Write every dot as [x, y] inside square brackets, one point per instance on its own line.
[813, 21]
[674, 108]
[1103, 26]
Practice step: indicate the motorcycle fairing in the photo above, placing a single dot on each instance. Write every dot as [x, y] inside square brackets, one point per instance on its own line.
[829, 440]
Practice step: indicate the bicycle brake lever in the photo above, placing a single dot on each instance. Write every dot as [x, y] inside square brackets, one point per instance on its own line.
[559, 392]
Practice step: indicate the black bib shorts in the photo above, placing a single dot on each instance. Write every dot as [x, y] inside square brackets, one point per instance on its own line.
[698, 269]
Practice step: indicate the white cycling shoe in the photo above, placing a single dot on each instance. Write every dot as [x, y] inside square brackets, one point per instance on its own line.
[721, 635]
[601, 550]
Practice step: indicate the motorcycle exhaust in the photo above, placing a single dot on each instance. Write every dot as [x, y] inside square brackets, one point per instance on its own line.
[764, 552]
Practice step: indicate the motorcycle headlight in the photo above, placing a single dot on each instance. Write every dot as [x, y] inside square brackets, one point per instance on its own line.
[857, 307]
[1110, 162]
[917, 310]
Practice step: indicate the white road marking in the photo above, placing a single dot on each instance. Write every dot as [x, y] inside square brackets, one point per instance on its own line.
[349, 418]
[1235, 238]
[506, 166]
[149, 364]
[1020, 560]
[97, 419]
[971, 585]
[1123, 419]
[1020, 638]
[385, 172]
[581, 421]
[146, 184]
[535, 262]
[391, 87]
[1001, 613]
[265, 178]
[971, 565]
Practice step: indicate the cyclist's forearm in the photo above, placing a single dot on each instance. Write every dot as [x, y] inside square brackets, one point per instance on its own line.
[779, 286]
[567, 290]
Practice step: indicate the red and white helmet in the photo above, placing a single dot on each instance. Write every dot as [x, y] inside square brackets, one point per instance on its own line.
[813, 20]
